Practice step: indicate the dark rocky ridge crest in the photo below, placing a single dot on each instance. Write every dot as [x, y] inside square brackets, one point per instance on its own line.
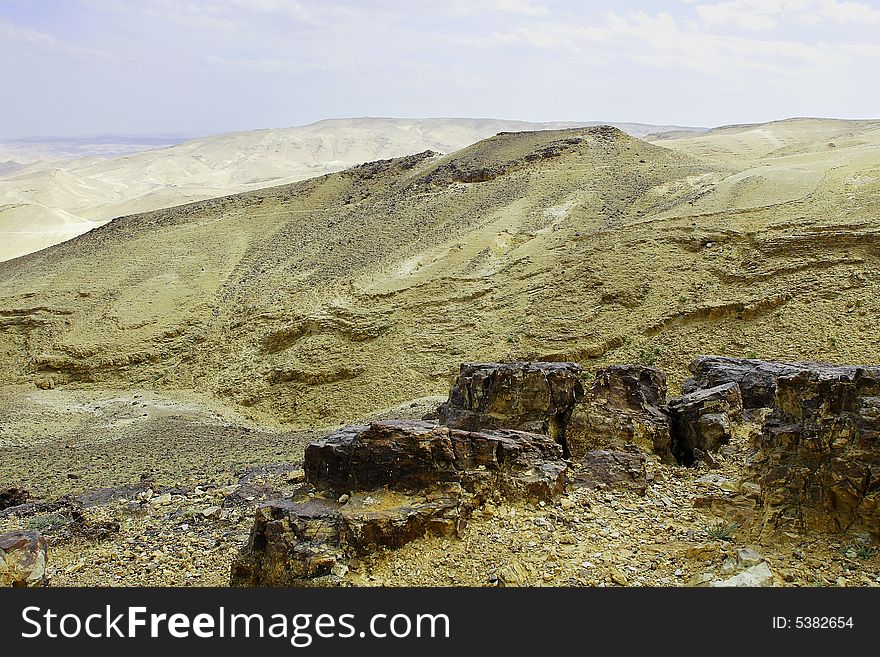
[756, 378]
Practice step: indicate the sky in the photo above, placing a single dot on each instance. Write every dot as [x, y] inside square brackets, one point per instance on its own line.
[84, 67]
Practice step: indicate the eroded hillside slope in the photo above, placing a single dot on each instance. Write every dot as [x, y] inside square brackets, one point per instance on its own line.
[321, 301]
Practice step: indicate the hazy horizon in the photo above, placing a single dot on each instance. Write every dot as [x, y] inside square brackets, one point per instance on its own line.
[187, 136]
[180, 137]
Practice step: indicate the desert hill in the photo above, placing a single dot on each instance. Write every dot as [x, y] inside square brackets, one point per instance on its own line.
[46, 199]
[321, 301]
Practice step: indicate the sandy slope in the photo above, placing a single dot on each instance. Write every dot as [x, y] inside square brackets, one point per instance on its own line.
[49, 200]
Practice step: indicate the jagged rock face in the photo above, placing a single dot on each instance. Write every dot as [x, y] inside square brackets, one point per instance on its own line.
[819, 464]
[622, 407]
[630, 386]
[294, 542]
[23, 557]
[413, 456]
[386, 484]
[703, 421]
[535, 397]
[611, 469]
[756, 378]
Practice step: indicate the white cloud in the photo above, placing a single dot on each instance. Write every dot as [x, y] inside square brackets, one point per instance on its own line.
[849, 12]
[474, 7]
[522, 7]
[658, 41]
[863, 49]
[744, 14]
[262, 64]
[40, 42]
[759, 15]
[689, 62]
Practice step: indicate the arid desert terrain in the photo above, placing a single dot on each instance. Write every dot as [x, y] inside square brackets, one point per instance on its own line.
[164, 371]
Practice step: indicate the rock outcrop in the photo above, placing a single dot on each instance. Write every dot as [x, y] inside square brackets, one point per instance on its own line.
[413, 456]
[527, 396]
[756, 378]
[622, 407]
[23, 556]
[386, 484]
[702, 421]
[819, 459]
[308, 541]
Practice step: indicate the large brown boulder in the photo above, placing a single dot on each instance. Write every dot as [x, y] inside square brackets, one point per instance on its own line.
[756, 378]
[703, 421]
[528, 396]
[406, 455]
[622, 408]
[23, 557]
[384, 485]
[819, 459]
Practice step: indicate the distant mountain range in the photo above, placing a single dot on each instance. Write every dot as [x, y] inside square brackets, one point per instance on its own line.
[52, 189]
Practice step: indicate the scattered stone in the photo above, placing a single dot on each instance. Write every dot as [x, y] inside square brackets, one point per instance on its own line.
[748, 557]
[23, 556]
[703, 552]
[46, 383]
[618, 577]
[79, 565]
[513, 574]
[756, 576]
[296, 476]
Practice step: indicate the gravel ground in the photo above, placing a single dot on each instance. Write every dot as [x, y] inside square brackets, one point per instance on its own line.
[135, 517]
